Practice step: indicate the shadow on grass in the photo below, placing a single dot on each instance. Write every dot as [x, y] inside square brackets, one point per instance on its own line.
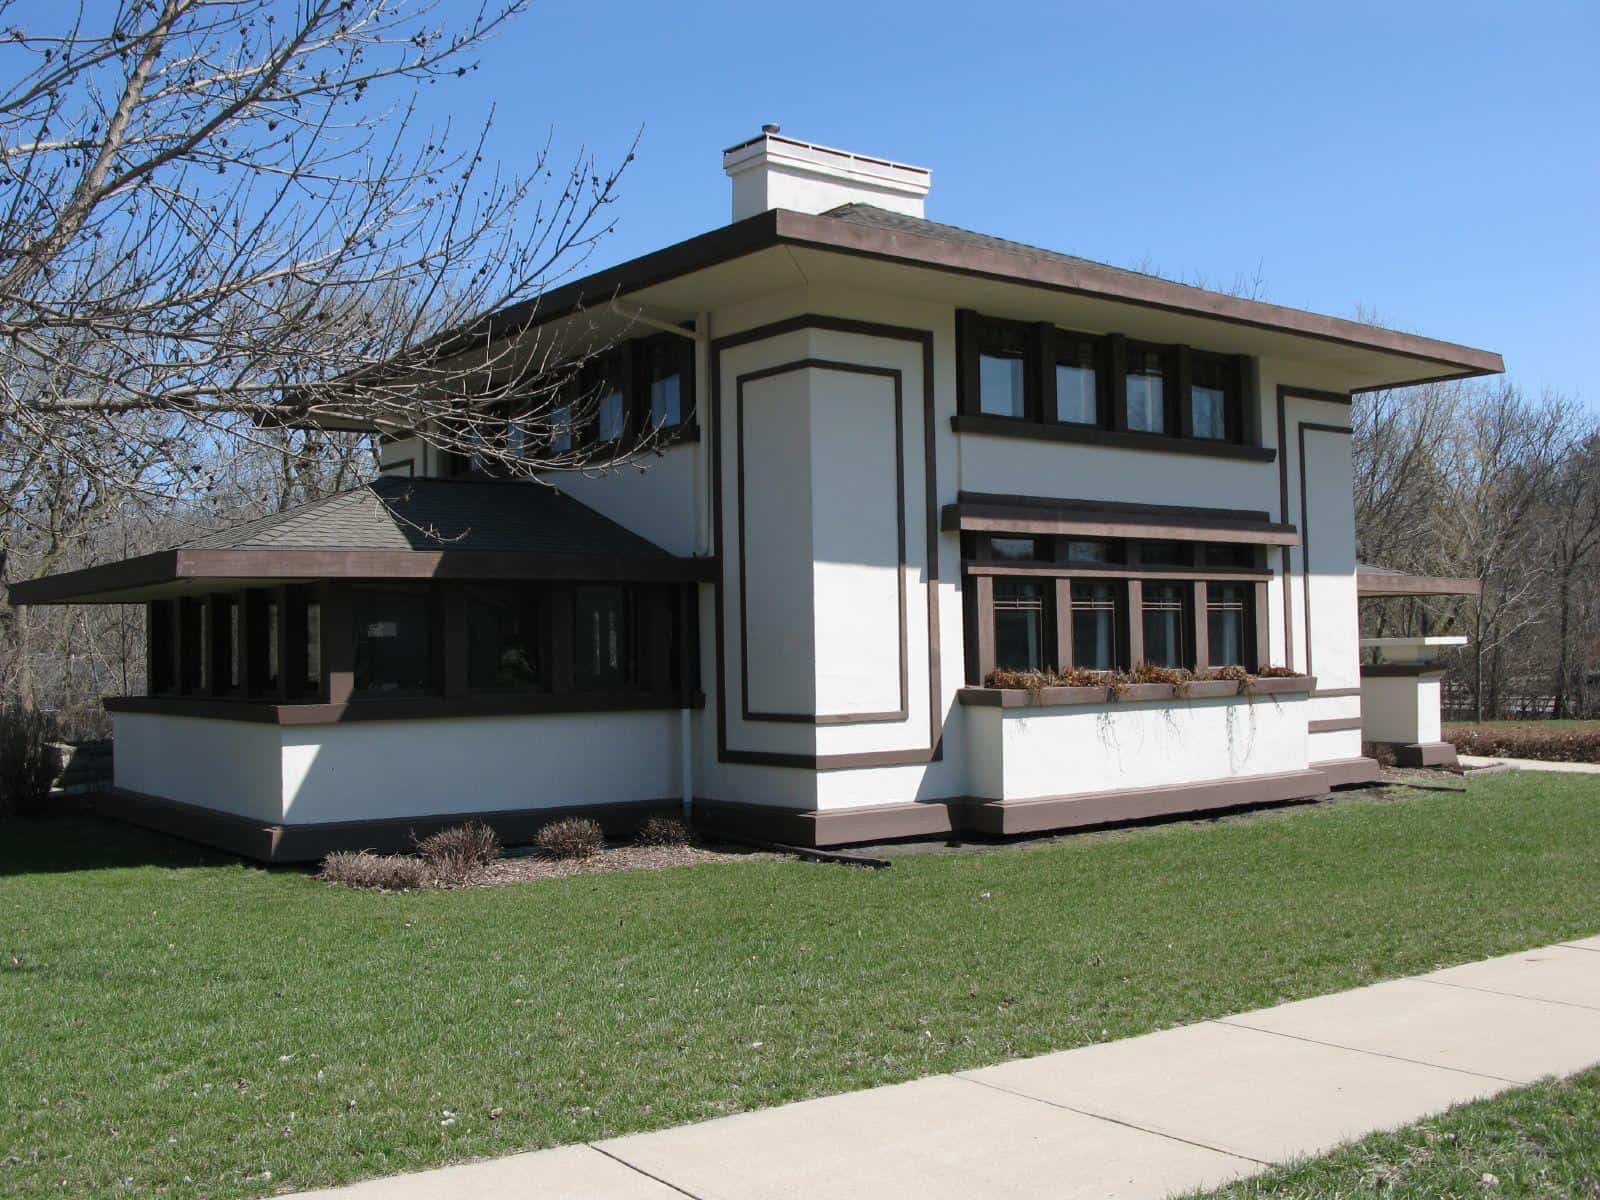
[78, 840]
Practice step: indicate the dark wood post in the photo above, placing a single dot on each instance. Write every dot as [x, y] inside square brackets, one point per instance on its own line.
[338, 643]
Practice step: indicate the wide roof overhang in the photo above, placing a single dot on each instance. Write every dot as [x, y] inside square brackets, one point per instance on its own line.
[975, 512]
[1386, 581]
[779, 250]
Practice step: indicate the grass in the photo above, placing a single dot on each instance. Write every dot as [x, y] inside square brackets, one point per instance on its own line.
[181, 1024]
[1539, 1141]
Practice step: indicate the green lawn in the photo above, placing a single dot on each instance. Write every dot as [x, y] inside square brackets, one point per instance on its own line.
[1541, 1141]
[175, 1024]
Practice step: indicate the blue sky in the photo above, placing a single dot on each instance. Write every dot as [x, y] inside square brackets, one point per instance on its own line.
[1437, 163]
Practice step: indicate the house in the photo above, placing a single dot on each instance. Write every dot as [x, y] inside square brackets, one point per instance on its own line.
[901, 456]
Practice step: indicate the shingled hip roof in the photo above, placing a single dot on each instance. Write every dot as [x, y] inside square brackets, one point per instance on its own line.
[390, 528]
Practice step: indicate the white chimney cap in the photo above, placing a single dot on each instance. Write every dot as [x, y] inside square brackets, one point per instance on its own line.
[772, 171]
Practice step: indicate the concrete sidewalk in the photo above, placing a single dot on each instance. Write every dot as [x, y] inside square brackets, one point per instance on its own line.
[1146, 1117]
[1530, 764]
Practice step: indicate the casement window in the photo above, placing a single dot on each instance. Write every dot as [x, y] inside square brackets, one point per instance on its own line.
[1213, 397]
[1043, 601]
[1163, 610]
[601, 638]
[1077, 380]
[1228, 625]
[1146, 383]
[1014, 549]
[393, 642]
[612, 413]
[1096, 638]
[667, 375]
[562, 437]
[161, 675]
[1021, 379]
[1019, 624]
[309, 622]
[508, 637]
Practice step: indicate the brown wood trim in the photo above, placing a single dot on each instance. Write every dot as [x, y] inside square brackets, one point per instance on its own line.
[1342, 772]
[1385, 584]
[417, 708]
[304, 842]
[989, 425]
[1330, 693]
[1042, 813]
[1260, 605]
[1388, 670]
[1303, 428]
[1333, 724]
[829, 827]
[1063, 595]
[1199, 689]
[715, 349]
[1202, 624]
[1285, 557]
[113, 582]
[984, 589]
[895, 377]
[983, 512]
[1135, 622]
[1078, 571]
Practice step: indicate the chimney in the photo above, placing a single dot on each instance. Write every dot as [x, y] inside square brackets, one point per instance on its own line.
[771, 171]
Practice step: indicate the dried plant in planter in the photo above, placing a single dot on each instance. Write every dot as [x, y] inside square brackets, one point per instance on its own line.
[662, 831]
[571, 837]
[459, 854]
[386, 872]
[1035, 681]
[1271, 672]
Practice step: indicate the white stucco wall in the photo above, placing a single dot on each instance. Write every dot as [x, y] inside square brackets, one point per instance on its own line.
[653, 495]
[364, 770]
[1401, 708]
[371, 770]
[230, 766]
[1016, 754]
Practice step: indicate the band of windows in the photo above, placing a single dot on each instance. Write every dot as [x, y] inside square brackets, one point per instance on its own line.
[309, 643]
[1040, 374]
[1043, 603]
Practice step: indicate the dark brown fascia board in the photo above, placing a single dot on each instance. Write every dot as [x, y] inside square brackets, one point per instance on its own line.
[102, 584]
[781, 227]
[978, 512]
[1384, 584]
[414, 708]
[1102, 281]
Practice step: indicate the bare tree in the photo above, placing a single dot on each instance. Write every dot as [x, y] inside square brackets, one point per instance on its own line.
[219, 218]
[1572, 542]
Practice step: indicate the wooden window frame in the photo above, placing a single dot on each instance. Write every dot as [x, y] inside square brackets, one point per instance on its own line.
[971, 328]
[1057, 346]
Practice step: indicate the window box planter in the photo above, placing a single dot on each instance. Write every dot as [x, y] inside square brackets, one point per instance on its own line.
[1136, 693]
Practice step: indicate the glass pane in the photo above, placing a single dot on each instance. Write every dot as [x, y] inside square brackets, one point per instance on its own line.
[1146, 404]
[600, 637]
[561, 429]
[1075, 395]
[313, 642]
[236, 648]
[1163, 625]
[1094, 626]
[1207, 404]
[1226, 608]
[1164, 554]
[666, 403]
[504, 628]
[1013, 549]
[1000, 386]
[270, 667]
[1088, 552]
[393, 643]
[613, 416]
[1018, 625]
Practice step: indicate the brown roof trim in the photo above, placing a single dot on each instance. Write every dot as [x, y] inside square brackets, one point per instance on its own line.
[1086, 278]
[979, 511]
[1370, 582]
[104, 584]
[1079, 277]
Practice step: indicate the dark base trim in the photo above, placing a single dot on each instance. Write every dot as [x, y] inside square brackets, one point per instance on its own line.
[296, 843]
[1423, 754]
[830, 827]
[1342, 772]
[1006, 817]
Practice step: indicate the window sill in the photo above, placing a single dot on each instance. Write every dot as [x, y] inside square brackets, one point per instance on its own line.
[1089, 435]
[1064, 697]
[397, 709]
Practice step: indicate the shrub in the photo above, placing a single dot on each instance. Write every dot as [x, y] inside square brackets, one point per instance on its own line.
[364, 869]
[662, 831]
[459, 854]
[28, 760]
[1381, 753]
[1530, 739]
[571, 837]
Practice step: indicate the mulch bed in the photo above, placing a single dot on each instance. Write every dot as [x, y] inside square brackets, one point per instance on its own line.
[522, 865]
